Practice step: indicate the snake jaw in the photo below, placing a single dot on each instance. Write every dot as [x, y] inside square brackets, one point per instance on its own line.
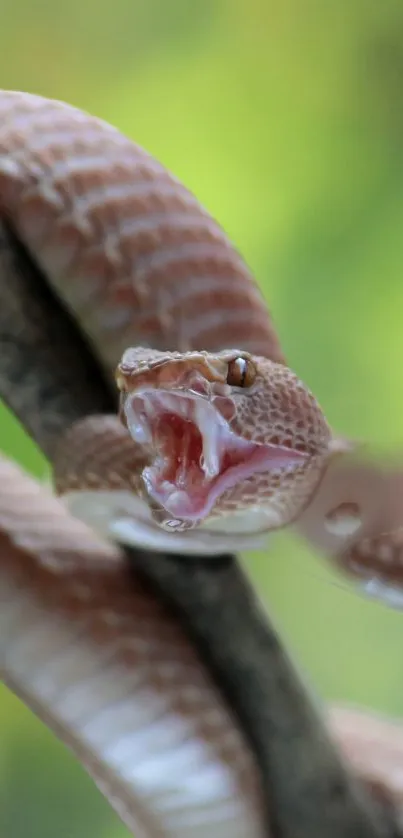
[194, 455]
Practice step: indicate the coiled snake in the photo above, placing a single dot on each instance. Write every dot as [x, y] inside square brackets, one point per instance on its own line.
[217, 442]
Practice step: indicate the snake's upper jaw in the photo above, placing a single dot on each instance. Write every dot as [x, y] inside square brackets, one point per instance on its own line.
[194, 455]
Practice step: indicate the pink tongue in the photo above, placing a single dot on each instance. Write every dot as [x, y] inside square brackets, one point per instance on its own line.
[192, 496]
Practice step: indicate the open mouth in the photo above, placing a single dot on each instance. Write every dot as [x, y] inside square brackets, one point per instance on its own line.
[195, 455]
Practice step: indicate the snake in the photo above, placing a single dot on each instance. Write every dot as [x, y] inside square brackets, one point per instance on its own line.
[215, 442]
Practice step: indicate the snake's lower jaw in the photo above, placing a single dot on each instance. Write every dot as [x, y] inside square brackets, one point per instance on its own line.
[185, 501]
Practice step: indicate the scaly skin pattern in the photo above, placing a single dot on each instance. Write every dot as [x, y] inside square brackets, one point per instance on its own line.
[101, 661]
[139, 263]
[276, 456]
[134, 256]
[88, 647]
[127, 247]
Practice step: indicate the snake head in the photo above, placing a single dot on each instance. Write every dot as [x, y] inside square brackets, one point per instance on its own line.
[225, 432]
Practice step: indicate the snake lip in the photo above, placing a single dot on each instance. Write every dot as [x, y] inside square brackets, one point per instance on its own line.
[194, 455]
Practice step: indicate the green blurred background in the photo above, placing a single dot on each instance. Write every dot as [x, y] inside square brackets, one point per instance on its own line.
[286, 119]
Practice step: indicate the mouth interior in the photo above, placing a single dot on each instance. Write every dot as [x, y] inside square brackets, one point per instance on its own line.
[195, 455]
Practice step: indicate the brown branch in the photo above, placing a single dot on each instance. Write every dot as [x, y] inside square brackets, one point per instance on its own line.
[307, 789]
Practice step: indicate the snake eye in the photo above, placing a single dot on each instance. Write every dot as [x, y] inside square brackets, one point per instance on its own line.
[241, 373]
